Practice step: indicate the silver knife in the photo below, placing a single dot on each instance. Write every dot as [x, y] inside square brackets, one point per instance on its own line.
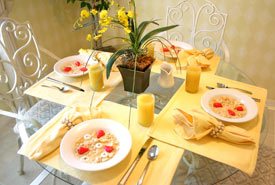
[72, 86]
[255, 99]
[131, 168]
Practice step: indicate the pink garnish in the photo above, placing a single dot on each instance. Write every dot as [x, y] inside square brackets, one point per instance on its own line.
[231, 112]
[100, 133]
[77, 63]
[81, 150]
[217, 105]
[108, 149]
[83, 69]
[165, 49]
[239, 108]
[67, 69]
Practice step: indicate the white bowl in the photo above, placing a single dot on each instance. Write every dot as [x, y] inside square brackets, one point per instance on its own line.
[68, 61]
[249, 103]
[68, 143]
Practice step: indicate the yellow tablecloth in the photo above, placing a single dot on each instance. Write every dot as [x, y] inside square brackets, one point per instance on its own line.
[239, 156]
[169, 155]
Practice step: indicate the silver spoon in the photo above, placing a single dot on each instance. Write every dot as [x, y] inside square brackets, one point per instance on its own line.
[151, 155]
[62, 89]
[221, 85]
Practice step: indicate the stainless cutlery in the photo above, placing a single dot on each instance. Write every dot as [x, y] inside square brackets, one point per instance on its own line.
[255, 99]
[221, 85]
[60, 82]
[131, 168]
[62, 89]
[151, 155]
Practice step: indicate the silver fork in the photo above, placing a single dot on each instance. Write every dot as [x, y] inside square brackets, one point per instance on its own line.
[221, 85]
[255, 99]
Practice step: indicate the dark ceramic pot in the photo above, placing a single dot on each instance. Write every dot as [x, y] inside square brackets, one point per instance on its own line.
[141, 82]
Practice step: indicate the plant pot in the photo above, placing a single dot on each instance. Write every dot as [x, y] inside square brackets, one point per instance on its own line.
[141, 82]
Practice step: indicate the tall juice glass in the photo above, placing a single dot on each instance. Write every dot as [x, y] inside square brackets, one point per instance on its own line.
[145, 109]
[193, 74]
[96, 77]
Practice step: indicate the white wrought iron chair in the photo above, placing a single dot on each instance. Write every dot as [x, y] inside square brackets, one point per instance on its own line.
[21, 66]
[202, 26]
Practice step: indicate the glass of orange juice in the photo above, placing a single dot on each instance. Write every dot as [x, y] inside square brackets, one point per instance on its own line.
[193, 74]
[145, 109]
[96, 77]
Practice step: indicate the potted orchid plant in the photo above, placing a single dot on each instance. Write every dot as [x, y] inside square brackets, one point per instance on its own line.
[132, 60]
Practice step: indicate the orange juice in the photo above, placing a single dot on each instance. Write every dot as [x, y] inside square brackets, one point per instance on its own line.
[193, 74]
[151, 50]
[96, 77]
[145, 109]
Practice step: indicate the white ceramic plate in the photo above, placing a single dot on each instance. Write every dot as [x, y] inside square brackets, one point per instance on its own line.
[70, 138]
[249, 103]
[179, 44]
[70, 62]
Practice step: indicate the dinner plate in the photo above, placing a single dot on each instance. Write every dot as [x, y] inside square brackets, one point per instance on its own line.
[181, 45]
[249, 103]
[117, 129]
[72, 62]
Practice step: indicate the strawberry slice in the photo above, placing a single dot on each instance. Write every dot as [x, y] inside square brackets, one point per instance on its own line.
[217, 105]
[165, 49]
[239, 108]
[108, 149]
[81, 150]
[77, 63]
[83, 69]
[231, 112]
[173, 47]
[100, 133]
[67, 69]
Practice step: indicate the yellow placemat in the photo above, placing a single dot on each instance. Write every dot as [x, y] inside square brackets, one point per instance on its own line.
[169, 155]
[74, 97]
[239, 156]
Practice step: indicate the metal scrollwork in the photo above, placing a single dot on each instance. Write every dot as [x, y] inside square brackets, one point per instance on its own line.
[20, 64]
[175, 36]
[206, 23]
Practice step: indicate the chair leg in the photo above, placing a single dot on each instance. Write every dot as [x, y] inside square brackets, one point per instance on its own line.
[21, 159]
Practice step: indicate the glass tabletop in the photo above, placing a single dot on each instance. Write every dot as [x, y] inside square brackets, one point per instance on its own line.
[193, 169]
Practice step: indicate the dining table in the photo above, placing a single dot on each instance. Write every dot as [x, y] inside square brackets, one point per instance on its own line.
[172, 150]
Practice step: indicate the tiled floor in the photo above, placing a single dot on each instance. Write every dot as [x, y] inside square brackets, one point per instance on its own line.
[9, 161]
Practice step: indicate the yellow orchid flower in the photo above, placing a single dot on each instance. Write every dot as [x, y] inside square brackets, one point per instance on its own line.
[103, 14]
[127, 30]
[97, 37]
[89, 37]
[94, 11]
[130, 14]
[84, 14]
[103, 30]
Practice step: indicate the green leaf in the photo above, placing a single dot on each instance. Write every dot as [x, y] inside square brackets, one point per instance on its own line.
[143, 26]
[156, 31]
[112, 60]
[89, 6]
[82, 4]
[132, 37]
[122, 38]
